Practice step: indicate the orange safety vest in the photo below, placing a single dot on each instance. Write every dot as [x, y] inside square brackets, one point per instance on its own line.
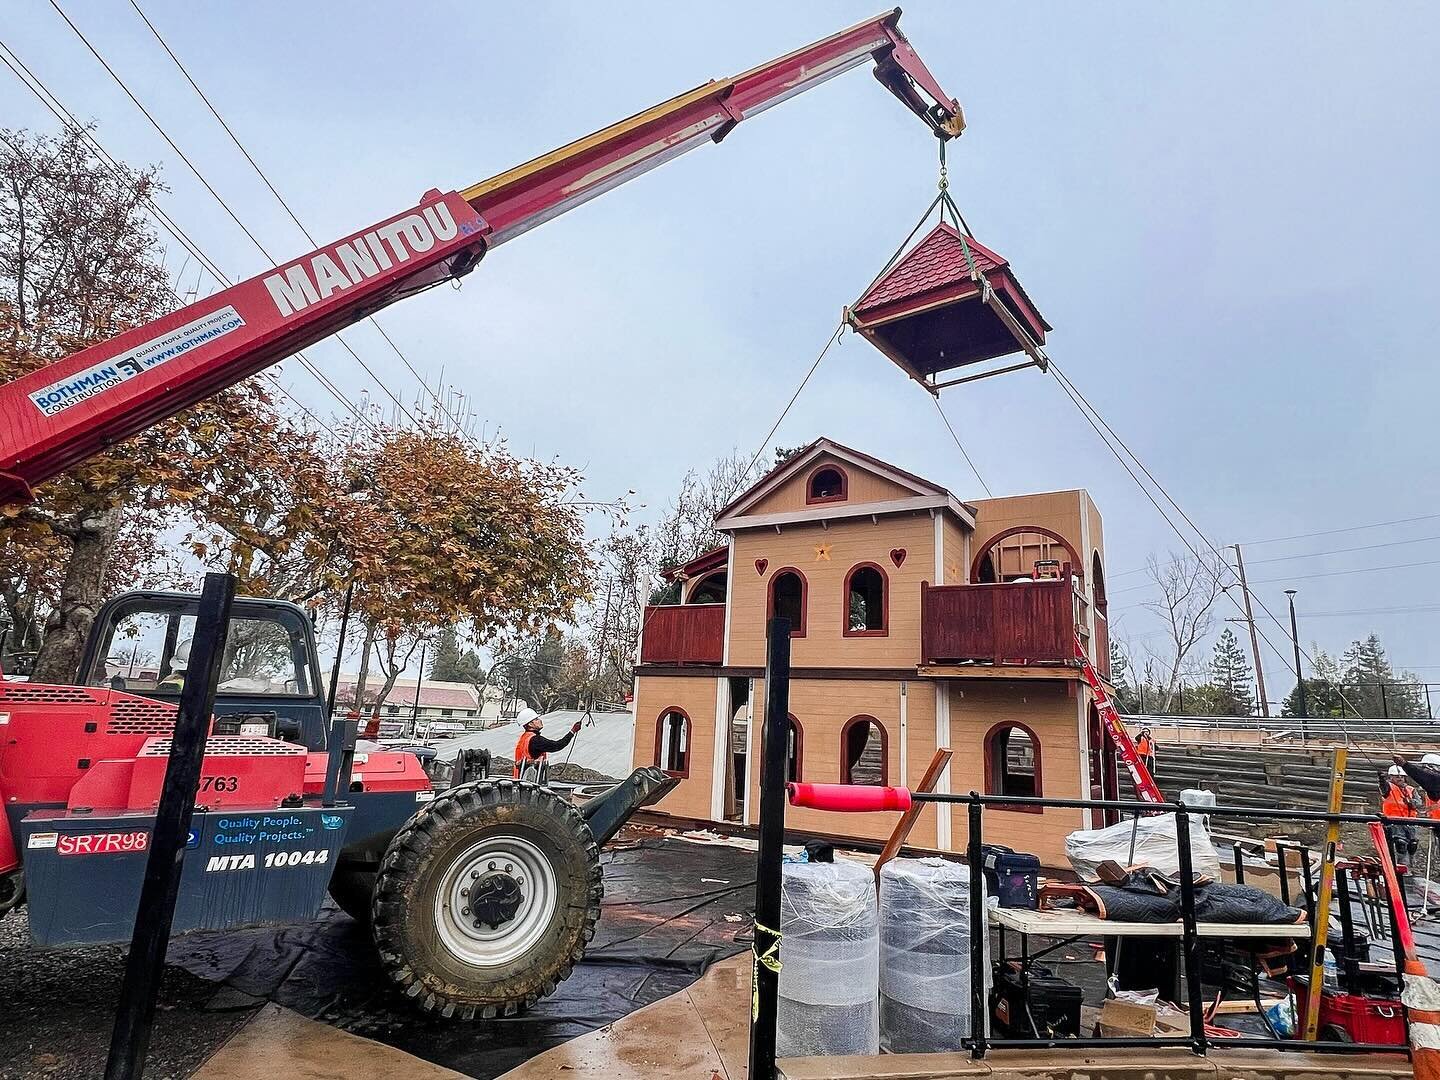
[522, 751]
[1396, 804]
[1432, 807]
[1144, 746]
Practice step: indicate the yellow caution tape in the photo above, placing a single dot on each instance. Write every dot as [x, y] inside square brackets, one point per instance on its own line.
[769, 957]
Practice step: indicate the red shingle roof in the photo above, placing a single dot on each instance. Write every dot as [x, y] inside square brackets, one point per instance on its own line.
[937, 260]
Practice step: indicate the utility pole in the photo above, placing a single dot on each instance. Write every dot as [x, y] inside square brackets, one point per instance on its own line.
[1254, 638]
[419, 682]
[1299, 672]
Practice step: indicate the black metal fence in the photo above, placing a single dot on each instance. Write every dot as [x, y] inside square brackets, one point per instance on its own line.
[769, 869]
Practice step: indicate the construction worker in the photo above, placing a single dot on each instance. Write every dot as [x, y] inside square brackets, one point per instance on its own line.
[1145, 747]
[1400, 800]
[179, 664]
[532, 746]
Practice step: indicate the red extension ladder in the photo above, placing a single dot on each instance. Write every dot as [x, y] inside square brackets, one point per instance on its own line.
[1145, 786]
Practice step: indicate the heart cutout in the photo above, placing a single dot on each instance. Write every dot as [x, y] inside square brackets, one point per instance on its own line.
[897, 556]
[760, 565]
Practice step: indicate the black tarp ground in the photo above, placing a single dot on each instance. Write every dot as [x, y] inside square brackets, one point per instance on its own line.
[662, 924]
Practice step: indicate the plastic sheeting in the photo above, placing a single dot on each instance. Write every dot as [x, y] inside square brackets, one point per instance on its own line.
[671, 909]
[925, 956]
[1155, 846]
[830, 951]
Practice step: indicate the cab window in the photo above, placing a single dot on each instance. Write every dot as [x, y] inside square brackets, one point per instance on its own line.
[148, 651]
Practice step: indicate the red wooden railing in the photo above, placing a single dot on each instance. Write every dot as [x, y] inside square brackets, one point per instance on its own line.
[1022, 622]
[683, 634]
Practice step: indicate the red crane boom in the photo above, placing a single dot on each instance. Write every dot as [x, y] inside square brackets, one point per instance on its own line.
[61, 414]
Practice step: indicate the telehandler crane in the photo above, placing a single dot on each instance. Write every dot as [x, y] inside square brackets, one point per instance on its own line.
[483, 895]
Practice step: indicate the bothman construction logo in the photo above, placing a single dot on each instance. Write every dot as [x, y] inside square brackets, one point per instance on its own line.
[83, 385]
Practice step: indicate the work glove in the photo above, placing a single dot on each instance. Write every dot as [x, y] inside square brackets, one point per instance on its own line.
[575, 727]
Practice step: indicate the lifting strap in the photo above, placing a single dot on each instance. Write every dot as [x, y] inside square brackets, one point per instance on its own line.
[1145, 787]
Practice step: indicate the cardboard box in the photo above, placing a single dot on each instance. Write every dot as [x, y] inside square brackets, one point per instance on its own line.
[1124, 1018]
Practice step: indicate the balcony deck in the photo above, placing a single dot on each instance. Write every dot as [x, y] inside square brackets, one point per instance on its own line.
[683, 634]
[1015, 625]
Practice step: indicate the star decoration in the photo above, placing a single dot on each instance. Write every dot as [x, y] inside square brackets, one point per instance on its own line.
[952, 573]
[822, 552]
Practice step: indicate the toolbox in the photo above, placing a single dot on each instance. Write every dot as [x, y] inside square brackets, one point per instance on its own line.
[1037, 999]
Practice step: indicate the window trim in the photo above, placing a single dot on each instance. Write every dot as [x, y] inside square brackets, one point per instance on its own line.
[988, 746]
[795, 631]
[812, 500]
[884, 630]
[884, 747]
[660, 740]
[799, 749]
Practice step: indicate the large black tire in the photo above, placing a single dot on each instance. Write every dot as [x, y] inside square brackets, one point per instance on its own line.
[503, 838]
[353, 889]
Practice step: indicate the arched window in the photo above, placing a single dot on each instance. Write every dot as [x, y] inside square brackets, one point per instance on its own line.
[1097, 580]
[1012, 763]
[826, 484]
[867, 602]
[788, 590]
[710, 589]
[794, 746]
[1013, 554]
[672, 742]
[864, 752]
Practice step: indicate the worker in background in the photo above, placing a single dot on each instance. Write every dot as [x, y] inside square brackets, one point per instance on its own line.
[532, 746]
[1400, 800]
[179, 664]
[1426, 775]
[1145, 747]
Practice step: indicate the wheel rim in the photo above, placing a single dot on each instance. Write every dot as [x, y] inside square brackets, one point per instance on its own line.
[488, 861]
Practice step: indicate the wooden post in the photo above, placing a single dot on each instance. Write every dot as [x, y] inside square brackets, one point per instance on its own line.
[1310, 1029]
[907, 820]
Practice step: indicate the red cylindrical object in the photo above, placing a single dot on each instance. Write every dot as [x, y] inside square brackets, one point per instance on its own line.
[848, 798]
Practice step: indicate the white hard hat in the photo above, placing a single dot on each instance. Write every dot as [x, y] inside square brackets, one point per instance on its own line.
[1430, 759]
[524, 716]
[181, 660]
[1396, 770]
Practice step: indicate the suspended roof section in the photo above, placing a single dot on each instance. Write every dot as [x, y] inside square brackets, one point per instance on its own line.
[932, 311]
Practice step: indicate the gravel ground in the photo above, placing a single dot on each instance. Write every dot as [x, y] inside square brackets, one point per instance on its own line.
[57, 1008]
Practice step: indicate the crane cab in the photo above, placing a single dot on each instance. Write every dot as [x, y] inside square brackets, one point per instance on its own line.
[140, 644]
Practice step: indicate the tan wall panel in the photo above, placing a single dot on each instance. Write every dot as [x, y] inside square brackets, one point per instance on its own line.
[822, 707]
[850, 542]
[862, 487]
[955, 567]
[655, 694]
[1049, 711]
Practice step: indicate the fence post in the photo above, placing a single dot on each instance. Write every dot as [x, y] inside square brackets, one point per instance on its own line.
[156, 911]
[765, 950]
[1190, 942]
[979, 926]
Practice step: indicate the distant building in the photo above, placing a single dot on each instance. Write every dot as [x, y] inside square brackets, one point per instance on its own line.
[459, 702]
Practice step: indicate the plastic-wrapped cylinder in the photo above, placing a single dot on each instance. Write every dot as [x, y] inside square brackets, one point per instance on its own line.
[830, 957]
[925, 943]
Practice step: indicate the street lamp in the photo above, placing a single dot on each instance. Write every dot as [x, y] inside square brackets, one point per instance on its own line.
[1299, 674]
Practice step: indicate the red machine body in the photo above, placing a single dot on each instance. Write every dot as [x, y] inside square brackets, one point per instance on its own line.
[90, 750]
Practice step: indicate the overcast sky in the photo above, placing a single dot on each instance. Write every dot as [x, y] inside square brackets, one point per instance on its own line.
[1230, 219]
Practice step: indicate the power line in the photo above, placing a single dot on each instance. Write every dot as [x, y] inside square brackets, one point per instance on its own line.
[281, 200]
[1089, 410]
[67, 118]
[217, 197]
[1322, 532]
